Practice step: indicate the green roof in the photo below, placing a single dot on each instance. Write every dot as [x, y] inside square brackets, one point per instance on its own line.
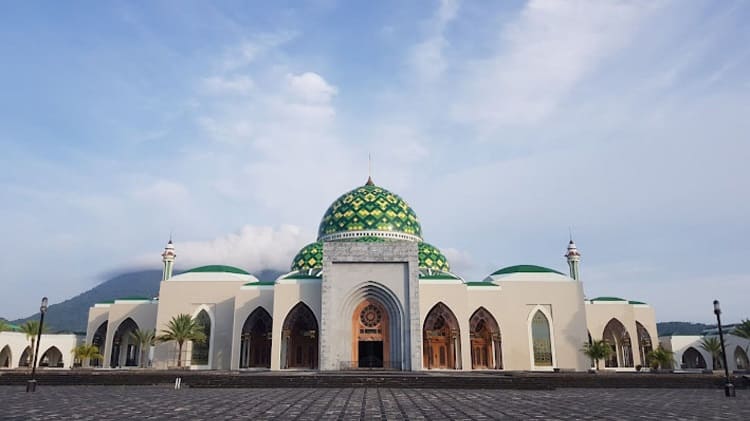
[636, 302]
[300, 275]
[369, 208]
[608, 299]
[309, 257]
[218, 268]
[106, 302]
[430, 257]
[525, 269]
[438, 275]
[134, 299]
[480, 284]
[261, 283]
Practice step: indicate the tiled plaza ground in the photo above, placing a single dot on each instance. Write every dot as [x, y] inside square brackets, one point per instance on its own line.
[146, 402]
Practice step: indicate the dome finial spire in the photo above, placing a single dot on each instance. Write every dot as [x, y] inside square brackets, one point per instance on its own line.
[369, 171]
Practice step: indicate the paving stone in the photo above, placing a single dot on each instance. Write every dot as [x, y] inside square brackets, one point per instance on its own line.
[161, 402]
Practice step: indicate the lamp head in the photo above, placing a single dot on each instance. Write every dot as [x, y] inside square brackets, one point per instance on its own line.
[43, 307]
[717, 307]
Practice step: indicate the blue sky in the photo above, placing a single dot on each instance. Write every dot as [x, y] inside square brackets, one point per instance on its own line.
[235, 124]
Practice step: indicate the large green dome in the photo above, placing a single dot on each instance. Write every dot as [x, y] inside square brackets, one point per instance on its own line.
[370, 211]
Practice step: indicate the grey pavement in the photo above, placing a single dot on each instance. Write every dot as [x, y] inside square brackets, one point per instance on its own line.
[162, 402]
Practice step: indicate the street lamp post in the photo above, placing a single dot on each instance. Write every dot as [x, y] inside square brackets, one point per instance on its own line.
[728, 386]
[31, 384]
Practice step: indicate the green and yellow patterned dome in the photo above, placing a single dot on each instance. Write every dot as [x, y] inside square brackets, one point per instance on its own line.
[310, 257]
[430, 257]
[369, 211]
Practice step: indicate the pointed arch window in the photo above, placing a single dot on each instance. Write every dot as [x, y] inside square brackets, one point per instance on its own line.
[200, 351]
[541, 340]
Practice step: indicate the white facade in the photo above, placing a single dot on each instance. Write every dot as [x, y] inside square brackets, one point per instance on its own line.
[689, 353]
[55, 350]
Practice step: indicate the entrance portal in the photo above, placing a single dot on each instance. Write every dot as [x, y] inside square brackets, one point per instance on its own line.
[370, 354]
[370, 335]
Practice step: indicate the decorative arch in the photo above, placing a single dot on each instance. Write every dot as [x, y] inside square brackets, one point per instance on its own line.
[645, 345]
[692, 358]
[125, 349]
[300, 338]
[618, 339]
[486, 340]
[442, 339]
[740, 358]
[25, 360]
[52, 357]
[98, 340]
[255, 340]
[381, 345]
[201, 353]
[6, 357]
[542, 339]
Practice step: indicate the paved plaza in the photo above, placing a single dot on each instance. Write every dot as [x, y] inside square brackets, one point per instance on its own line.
[161, 402]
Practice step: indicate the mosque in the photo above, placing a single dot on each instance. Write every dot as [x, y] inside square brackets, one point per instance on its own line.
[371, 293]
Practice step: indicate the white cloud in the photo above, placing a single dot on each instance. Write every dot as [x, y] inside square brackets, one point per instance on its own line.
[252, 49]
[310, 87]
[427, 56]
[237, 85]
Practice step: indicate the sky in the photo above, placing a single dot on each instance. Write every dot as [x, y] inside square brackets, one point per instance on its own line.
[505, 125]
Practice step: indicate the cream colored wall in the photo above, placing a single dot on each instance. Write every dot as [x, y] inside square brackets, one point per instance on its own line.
[287, 293]
[512, 304]
[680, 343]
[247, 300]
[17, 343]
[598, 314]
[97, 315]
[217, 297]
[143, 314]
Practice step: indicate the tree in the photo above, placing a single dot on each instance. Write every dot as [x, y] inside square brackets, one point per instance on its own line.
[145, 339]
[31, 329]
[660, 358]
[742, 330]
[597, 350]
[182, 328]
[85, 353]
[4, 325]
[712, 345]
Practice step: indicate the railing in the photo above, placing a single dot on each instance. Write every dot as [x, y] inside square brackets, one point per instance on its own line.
[370, 364]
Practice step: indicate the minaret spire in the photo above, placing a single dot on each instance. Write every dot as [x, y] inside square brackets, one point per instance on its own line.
[369, 171]
[167, 257]
[574, 257]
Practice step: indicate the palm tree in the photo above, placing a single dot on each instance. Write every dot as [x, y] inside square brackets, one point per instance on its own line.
[182, 328]
[4, 325]
[145, 339]
[660, 358]
[31, 329]
[85, 353]
[597, 350]
[742, 330]
[712, 345]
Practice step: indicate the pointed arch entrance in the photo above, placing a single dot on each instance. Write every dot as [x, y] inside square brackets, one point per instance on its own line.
[6, 357]
[300, 338]
[618, 339]
[125, 349]
[441, 336]
[200, 353]
[644, 342]
[25, 360]
[740, 358]
[52, 357]
[692, 358]
[486, 345]
[371, 334]
[98, 341]
[255, 342]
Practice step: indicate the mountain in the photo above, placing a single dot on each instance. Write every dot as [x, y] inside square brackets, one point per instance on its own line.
[681, 328]
[72, 315]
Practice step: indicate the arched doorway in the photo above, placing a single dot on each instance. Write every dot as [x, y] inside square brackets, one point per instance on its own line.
[441, 337]
[370, 334]
[52, 357]
[25, 360]
[541, 340]
[5, 357]
[644, 342]
[200, 352]
[255, 342]
[300, 336]
[618, 339]
[486, 345]
[98, 340]
[740, 358]
[125, 349]
[692, 358]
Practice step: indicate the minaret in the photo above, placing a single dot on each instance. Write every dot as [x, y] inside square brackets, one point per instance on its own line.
[573, 257]
[168, 258]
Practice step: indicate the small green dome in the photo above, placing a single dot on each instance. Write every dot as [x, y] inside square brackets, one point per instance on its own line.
[369, 211]
[218, 269]
[432, 258]
[310, 257]
[525, 269]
